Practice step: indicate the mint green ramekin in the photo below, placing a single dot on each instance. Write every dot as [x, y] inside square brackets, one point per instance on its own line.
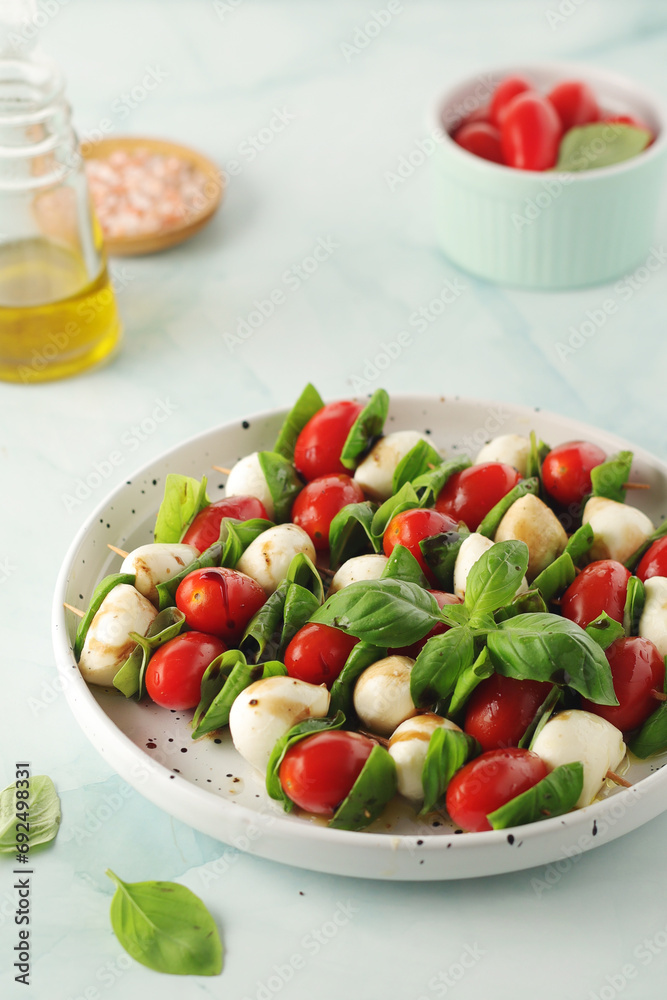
[546, 229]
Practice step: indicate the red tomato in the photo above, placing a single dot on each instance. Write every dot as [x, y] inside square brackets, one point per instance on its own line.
[601, 586]
[505, 92]
[488, 782]
[415, 649]
[318, 503]
[654, 561]
[480, 114]
[530, 133]
[220, 601]
[500, 709]
[318, 446]
[627, 120]
[410, 527]
[175, 670]
[566, 470]
[205, 529]
[481, 139]
[637, 668]
[317, 653]
[469, 495]
[318, 772]
[575, 103]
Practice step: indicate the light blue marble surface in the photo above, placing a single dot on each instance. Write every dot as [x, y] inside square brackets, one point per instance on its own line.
[228, 69]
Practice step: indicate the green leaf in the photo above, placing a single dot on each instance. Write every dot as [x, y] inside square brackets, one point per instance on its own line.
[236, 536]
[282, 480]
[223, 681]
[382, 612]
[342, 690]
[183, 498]
[489, 525]
[652, 737]
[541, 717]
[165, 626]
[428, 485]
[402, 565]
[261, 638]
[605, 630]
[302, 572]
[579, 543]
[373, 789]
[41, 814]
[440, 552]
[300, 606]
[302, 729]
[468, 680]
[609, 477]
[405, 499]
[538, 452]
[166, 927]
[103, 588]
[419, 460]
[529, 603]
[366, 428]
[496, 576]
[552, 796]
[544, 647]
[634, 605]
[440, 664]
[556, 578]
[601, 144]
[307, 405]
[659, 532]
[350, 532]
[448, 750]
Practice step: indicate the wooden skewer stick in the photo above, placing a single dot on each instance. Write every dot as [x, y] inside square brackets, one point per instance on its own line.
[119, 552]
[373, 736]
[77, 611]
[636, 486]
[658, 695]
[221, 468]
[617, 779]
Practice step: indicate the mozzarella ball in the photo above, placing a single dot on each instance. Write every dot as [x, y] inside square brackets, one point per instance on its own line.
[619, 529]
[246, 478]
[382, 698]
[408, 745]
[529, 520]
[511, 449]
[576, 735]
[473, 547]
[157, 563]
[653, 621]
[268, 709]
[370, 567]
[267, 559]
[376, 472]
[108, 643]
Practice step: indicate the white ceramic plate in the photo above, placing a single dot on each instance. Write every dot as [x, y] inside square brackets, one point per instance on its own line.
[207, 784]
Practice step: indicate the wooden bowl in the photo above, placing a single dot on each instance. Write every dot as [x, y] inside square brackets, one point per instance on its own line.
[152, 242]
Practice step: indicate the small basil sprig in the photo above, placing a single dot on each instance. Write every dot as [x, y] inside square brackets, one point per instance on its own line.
[421, 458]
[294, 735]
[495, 578]
[552, 796]
[373, 789]
[166, 927]
[362, 655]
[428, 485]
[42, 814]
[130, 678]
[609, 478]
[440, 552]
[605, 630]
[402, 565]
[448, 750]
[183, 498]
[222, 683]
[103, 588]
[634, 605]
[306, 406]
[382, 612]
[350, 532]
[489, 524]
[365, 429]
[439, 665]
[282, 480]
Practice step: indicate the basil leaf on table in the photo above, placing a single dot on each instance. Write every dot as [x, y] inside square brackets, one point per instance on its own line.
[42, 814]
[130, 678]
[440, 552]
[652, 737]
[350, 532]
[306, 406]
[552, 796]
[103, 588]
[556, 578]
[440, 664]
[298, 732]
[609, 478]
[489, 524]
[382, 612]
[183, 498]
[428, 485]
[448, 750]
[604, 630]
[362, 655]
[402, 565]
[373, 789]
[634, 605]
[420, 459]
[496, 576]
[166, 927]
[282, 481]
[600, 144]
[405, 499]
[579, 543]
[365, 429]
[468, 680]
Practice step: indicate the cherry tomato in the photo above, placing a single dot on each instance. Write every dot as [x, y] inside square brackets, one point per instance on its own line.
[175, 670]
[601, 586]
[317, 653]
[318, 772]
[628, 120]
[575, 103]
[470, 494]
[505, 92]
[320, 500]
[488, 782]
[415, 649]
[410, 527]
[530, 133]
[637, 668]
[318, 446]
[220, 601]
[500, 709]
[480, 139]
[566, 470]
[654, 561]
[480, 114]
[205, 528]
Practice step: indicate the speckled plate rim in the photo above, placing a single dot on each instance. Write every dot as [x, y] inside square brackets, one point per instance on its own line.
[270, 834]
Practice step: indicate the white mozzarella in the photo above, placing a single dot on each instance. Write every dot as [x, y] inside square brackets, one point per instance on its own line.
[268, 709]
[157, 563]
[575, 735]
[369, 567]
[619, 528]
[108, 643]
[653, 621]
[268, 557]
[511, 449]
[382, 698]
[473, 547]
[408, 745]
[376, 472]
[246, 478]
[529, 520]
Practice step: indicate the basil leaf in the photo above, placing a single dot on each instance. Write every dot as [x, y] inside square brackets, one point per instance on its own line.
[165, 626]
[302, 571]
[538, 452]
[350, 532]
[300, 606]
[421, 458]
[383, 612]
[222, 683]
[601, 144]
[365, 429]
[440, 552]
[402, 565]
[282, 480]
[552, 796]
[609, 477]
[604, 630]
[183, 498]
[489, 525]
[579, 543]
[468, 680]
[448, 750]
[634, 605]
[41, 810]
[531, 602]
[652, 737]
[659, 532]
[556, 578]
[307, 405]
[342, 690]
[294, 735]
[166, 927]
[103, 588]
[373, 789]
[262, 635]
[541, 717]
[236, 536]
[496, 576]
[405, 499]
[440, 664]
[428, 485]
[544, 647]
